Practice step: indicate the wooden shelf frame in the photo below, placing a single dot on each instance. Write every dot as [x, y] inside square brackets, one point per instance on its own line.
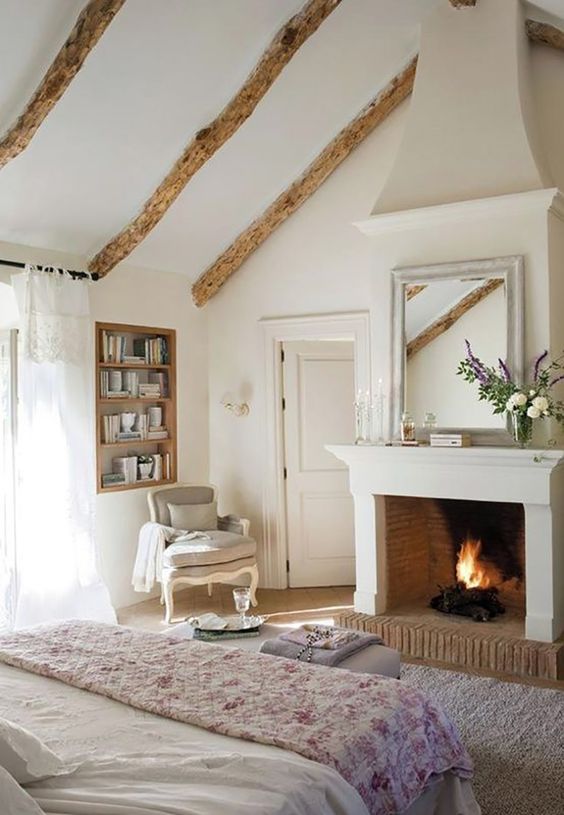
[169, 403]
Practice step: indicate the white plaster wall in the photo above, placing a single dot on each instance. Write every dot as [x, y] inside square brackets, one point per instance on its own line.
[315, 263]
[140, 296]
[548, 91]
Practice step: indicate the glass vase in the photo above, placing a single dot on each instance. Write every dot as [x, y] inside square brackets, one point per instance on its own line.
[522, 429]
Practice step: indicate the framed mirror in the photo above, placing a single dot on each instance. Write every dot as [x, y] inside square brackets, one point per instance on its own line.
[435, 309]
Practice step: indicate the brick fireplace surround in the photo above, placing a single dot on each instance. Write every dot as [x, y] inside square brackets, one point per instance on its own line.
[410, 507]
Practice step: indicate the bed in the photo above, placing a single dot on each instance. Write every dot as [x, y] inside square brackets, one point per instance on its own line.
[133, 762]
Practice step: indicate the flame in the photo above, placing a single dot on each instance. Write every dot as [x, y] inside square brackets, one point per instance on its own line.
[469, 571]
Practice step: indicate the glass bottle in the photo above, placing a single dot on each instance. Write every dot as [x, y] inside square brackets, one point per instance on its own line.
[407, 427]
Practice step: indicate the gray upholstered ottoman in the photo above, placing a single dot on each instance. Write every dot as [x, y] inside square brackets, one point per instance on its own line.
[374, 659]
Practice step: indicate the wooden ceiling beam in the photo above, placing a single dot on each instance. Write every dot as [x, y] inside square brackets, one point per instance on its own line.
[300, 190]
[447, 320]
[89, 27]
[210, 138]
[545, 33]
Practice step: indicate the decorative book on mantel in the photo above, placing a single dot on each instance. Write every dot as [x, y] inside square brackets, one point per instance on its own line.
[136, 366]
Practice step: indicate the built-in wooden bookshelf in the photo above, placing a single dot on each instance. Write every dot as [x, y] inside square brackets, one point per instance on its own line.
[138, 363]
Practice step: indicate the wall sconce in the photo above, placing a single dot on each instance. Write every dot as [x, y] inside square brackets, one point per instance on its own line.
[237, 408]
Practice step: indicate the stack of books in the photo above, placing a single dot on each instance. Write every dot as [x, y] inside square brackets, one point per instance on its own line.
[112, 479]
[149, 390]
[450, 440]
[159, 432]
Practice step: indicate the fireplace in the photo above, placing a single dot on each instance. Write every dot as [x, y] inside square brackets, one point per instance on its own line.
[415, 508]
[436, 543]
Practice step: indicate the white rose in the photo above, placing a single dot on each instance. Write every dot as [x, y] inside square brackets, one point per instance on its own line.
[510, 405]
[519, 399]
[532, 393]
[533, 413]
[541, 403]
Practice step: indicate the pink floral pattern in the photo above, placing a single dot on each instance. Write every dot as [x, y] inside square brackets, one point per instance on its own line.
[384, 738]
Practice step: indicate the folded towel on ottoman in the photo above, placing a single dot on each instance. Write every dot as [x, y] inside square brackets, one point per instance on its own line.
[319, 644]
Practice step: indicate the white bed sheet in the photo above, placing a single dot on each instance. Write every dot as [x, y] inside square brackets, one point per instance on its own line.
[136, 763]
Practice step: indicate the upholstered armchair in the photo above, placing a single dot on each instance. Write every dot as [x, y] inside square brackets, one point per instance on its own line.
[227, 552]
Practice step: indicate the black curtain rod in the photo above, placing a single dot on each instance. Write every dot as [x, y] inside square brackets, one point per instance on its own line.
[15, 264]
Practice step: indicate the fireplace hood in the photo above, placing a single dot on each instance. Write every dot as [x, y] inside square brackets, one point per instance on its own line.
[471, 129]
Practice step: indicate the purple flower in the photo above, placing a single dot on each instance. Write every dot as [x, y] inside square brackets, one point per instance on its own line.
[504, 370]
[477, 366]
[537, 364]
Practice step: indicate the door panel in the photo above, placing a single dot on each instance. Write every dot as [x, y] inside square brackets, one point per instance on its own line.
[319, 395]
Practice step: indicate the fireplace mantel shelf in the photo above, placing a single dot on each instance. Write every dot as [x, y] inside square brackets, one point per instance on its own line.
[534, 478]
[541, 458]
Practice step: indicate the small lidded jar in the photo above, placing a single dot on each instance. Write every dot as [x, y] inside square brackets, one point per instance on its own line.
[407, 427]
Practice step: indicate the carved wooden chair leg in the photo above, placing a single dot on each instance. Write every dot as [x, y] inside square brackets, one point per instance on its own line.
[162, 595]
[210, 588]
[169, 602]
[254, 584]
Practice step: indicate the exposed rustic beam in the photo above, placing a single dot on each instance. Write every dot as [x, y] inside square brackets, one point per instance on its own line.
[208, 140]
[300, 190]
[447, 320]
[89, 27]
[545, 33]
[462, 3]
[413, 290]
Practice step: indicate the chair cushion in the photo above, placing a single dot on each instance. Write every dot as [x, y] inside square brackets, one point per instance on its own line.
[197, 573]
[222, 547]
[200, 517]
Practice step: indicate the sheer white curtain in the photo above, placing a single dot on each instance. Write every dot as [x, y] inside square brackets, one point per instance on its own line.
[57, 574]
[7, 478]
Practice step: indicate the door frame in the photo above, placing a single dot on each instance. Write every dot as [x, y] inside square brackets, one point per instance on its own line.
[353, 326]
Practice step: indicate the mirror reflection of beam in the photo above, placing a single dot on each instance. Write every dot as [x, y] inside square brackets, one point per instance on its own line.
[413, 290]
[448, 319]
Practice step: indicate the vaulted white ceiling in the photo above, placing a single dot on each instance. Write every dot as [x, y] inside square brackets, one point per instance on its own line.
[163, 70]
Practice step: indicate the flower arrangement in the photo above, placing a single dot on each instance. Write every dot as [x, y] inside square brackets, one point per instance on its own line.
[524, 403]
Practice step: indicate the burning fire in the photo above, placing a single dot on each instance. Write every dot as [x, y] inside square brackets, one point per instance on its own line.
[469, 570]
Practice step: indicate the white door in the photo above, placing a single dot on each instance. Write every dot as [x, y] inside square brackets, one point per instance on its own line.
[318, 410]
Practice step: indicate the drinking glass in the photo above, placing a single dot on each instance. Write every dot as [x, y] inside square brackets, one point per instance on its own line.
[242, 599]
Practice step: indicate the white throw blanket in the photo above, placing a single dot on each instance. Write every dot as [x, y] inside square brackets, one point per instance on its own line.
[153, 539]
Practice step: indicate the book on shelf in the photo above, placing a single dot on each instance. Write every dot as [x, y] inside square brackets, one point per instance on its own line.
[111, 479]
[131, 359]
[131, 382]
[159, 379]
[157, 434]
[154, 350]
[126, 465]
[113, 347]
[130, 435]
[149, 390]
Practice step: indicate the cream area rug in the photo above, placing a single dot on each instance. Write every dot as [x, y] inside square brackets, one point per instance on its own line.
[515, 734]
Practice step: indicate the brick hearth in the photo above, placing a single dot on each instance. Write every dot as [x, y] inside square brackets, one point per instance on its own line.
[495, 646]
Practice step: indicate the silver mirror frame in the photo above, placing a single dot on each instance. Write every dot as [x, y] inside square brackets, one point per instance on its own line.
[511, 269]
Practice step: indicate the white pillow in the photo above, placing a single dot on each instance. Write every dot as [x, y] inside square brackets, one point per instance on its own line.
[193, 517]
[15, 800]
[24, 756]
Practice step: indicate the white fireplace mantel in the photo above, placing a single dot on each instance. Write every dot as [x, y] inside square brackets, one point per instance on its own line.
[534, 478]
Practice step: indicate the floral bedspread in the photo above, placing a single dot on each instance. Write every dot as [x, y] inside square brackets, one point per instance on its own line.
[384, 738]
